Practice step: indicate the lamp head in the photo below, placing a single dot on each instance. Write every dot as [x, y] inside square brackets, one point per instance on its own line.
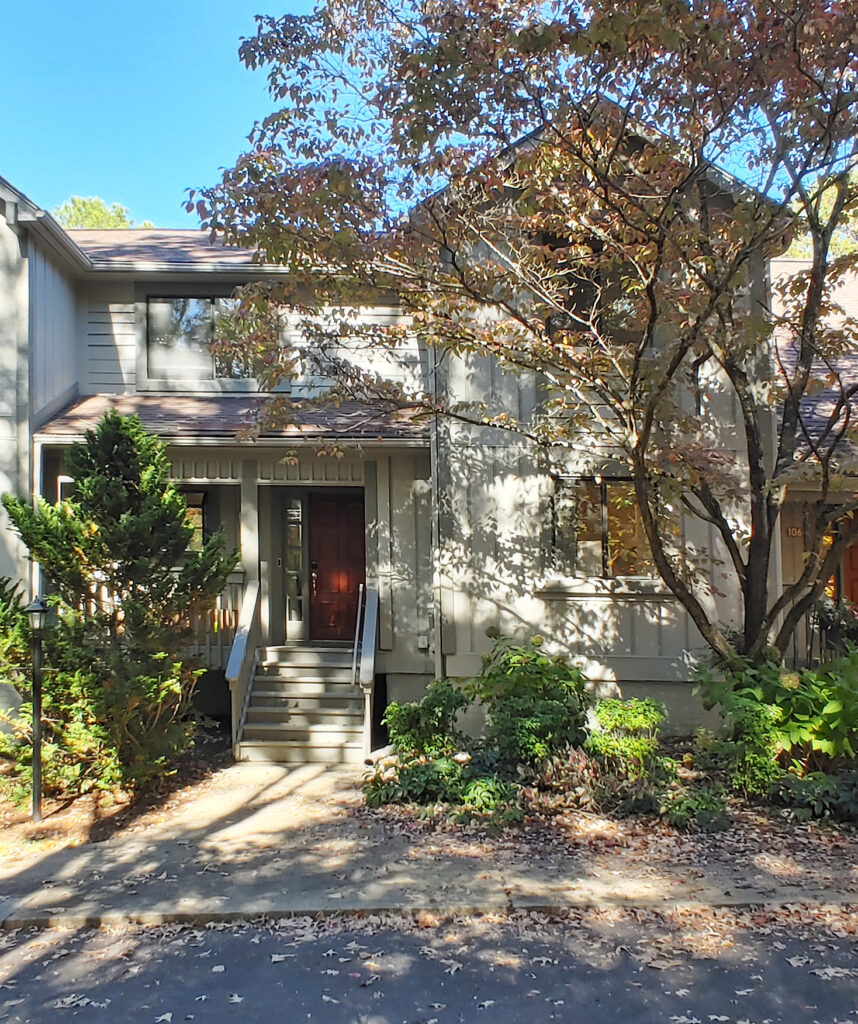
[37, 612]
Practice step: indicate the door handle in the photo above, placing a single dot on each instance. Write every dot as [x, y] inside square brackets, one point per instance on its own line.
[314, 578]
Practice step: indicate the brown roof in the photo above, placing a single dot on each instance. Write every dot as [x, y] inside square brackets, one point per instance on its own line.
[231, 417]
[818, 407]
[159, 247]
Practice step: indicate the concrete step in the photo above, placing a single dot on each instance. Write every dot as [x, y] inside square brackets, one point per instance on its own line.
[264, 717]
[274, 687]
[284, 702]
[306, 656]
[325, 734]
[295, 752]
[309, 673]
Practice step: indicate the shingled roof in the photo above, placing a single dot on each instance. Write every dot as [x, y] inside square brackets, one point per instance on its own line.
[159, 248]
[231, 418]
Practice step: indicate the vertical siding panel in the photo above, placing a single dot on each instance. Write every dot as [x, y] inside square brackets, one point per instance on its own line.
[52, 323]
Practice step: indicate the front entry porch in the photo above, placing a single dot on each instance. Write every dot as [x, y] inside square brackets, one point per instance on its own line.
[302, 701]
[312, 563]
[338, 499]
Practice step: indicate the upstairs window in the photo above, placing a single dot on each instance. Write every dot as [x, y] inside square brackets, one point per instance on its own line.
[180, 332]
[597, 529]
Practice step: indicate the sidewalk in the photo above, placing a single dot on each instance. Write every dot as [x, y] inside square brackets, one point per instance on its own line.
[275, 841]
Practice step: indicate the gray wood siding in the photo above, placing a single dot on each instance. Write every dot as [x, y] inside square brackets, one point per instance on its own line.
[494, 553]
[13, 434]
[53, 333]
[111, 347]
[402, 527]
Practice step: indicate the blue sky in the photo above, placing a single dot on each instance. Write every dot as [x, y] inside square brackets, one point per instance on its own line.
[130, 100]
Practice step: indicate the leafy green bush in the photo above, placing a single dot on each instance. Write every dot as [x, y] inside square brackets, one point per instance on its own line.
[535, 704]
[490, 795]
[525, 732]
[809, 717]
[702, 808]
[627, 738]
[818, 795]
[535, 707]
[748, 751]
[415, 781]
[438, 781]
[427, 728]
[515, 669]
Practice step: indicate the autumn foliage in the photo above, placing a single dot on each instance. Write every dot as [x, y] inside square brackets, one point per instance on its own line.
[589, 193]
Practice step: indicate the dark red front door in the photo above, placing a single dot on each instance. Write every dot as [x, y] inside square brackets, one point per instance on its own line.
[850, 574]
[337, 562]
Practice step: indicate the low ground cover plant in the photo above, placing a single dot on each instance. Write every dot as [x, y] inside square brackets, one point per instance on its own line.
[788, 738]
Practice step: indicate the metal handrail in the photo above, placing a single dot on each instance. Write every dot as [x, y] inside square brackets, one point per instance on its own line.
[356, 644]
[242, 657]
[366, 675]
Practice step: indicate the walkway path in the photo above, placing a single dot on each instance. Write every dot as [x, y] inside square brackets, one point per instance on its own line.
[263, 840]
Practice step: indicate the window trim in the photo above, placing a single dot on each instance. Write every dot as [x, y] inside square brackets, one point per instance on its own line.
[143, 295]
[605, 575]
[197, 499]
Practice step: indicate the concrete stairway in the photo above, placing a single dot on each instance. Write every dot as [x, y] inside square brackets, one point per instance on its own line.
[304, 707]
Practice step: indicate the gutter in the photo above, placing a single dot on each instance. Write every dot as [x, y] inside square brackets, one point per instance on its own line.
[230, 441]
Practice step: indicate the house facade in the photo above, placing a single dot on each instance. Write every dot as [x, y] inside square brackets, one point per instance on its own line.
[416, 538]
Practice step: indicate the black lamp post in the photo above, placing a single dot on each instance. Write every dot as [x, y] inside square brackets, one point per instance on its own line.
[37, 610]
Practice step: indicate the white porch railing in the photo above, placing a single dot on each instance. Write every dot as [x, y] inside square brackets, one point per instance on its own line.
[213, 631]
[242, 658]
[366, 663]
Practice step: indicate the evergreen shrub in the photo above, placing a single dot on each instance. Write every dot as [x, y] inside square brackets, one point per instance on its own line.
[116, 691]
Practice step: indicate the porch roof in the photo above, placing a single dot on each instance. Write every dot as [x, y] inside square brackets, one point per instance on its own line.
[231, 418]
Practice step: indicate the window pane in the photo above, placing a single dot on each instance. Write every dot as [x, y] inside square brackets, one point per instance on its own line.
[180, 336]
[294, 560]
[565, 528]
[590, 529]
[577, 528]
[230, 357]
[194, 519]
[628, 548]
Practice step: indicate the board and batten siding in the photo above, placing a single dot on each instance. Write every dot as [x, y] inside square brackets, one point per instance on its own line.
[13, 391]
[630, 636]
[53, 334]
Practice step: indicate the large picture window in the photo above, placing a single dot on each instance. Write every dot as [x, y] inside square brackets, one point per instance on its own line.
[597, 529]
[180, 332]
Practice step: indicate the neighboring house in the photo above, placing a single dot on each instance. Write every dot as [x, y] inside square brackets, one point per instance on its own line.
[817, 410]
[453, 529]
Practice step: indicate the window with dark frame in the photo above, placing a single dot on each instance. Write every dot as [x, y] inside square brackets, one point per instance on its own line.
[196, 518]
[597, 529]
[180, 333]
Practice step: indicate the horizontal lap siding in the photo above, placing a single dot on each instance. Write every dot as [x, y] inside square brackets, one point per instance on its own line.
[111, 347]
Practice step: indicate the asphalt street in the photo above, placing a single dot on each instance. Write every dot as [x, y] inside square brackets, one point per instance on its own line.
[591, 968]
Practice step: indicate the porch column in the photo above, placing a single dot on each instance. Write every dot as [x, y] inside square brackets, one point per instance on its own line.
[385, 556]
[248, 535]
